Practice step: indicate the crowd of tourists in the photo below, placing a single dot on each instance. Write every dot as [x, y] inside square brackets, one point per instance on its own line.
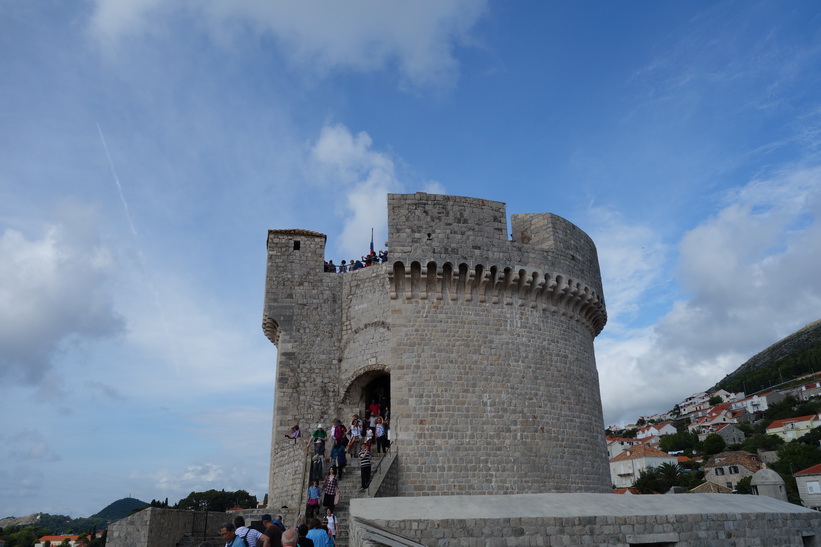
[356, 440]
[371, 259]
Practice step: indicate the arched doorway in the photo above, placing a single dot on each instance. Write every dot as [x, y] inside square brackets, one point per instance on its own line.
[372, 383]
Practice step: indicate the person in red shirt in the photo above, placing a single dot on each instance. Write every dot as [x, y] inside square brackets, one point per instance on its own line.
[374, 408]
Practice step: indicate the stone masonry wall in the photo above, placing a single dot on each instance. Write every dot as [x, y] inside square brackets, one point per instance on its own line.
[163, 527]
[501, 403]
[488, 343]
[301, 315]
[708, 520]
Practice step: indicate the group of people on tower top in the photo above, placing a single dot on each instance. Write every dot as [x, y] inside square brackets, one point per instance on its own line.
[366, 261]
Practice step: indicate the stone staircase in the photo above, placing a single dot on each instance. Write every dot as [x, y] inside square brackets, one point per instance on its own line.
[350, 484]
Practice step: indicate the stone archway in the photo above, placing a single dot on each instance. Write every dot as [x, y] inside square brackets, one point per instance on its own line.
[368, 383]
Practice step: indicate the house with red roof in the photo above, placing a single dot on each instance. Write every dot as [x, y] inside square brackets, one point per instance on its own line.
[617, 445]
[627, 466]
[719, 414]
[727, 468]
[758, 402]
[71, 540]
[809, 486]
[656, 430]
[792, 428]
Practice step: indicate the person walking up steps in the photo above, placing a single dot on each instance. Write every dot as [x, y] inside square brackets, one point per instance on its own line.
[365, 464]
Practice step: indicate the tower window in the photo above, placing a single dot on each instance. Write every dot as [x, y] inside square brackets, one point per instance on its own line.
[296, 245]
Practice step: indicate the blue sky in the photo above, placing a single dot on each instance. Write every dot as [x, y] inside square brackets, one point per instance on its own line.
[147, 146]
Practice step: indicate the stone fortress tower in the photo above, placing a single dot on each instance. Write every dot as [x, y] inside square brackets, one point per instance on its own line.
[483, 341]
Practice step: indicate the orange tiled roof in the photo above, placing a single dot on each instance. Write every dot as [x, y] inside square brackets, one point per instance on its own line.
[710, 488]
[785, 421]
[626, 491]
[640, 451]
[814, 470]
[738, 457]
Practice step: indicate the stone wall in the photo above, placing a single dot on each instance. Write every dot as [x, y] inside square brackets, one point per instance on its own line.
[301, 316]
[709, 520]
[163, 527]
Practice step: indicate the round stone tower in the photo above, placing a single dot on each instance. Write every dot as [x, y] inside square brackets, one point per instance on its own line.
[483, 342]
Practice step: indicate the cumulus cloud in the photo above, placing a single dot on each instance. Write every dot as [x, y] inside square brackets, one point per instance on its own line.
[417, 37]
[54, 293]
[750, 276]
[631, 257]
[346, 163]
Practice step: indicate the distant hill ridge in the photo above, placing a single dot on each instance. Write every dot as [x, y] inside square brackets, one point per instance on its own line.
[120, 509]
[60, 523]
[801, 340]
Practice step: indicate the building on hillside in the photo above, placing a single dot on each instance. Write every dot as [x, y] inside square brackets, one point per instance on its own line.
[719, 414]
[656, 430]
[698, 403]
[727, 468]
[792, 428]
[808, 391]
[729, 432]
[617, 445]
[809, 486]
[71, 540]
[627, 466]
[759, 402]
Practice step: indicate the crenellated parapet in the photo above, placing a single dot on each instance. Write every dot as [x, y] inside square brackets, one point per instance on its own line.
[544, 291]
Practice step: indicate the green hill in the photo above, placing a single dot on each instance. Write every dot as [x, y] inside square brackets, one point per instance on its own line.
[796, 355]
[120, 509]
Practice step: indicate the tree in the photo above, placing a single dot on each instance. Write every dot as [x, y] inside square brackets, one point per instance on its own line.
[743, 486]
[678, 441]
[713, 444]
[648, 482]
[760, 441]
[715, 400]
[794, 457]
[670, 474]
[661, 479]
[217, 500]
[812, 437]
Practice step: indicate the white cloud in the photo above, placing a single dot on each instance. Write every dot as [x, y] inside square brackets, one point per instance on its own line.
[347, 164]
[366, 35]
[632, 257]
[54, 292]
[751, 275]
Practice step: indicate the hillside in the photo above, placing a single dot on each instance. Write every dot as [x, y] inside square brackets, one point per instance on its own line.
[120, 509]
[60, 524]
[797, 354]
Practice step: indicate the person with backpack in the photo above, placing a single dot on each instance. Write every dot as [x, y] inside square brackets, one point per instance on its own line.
[249, 536]
[228, 533]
